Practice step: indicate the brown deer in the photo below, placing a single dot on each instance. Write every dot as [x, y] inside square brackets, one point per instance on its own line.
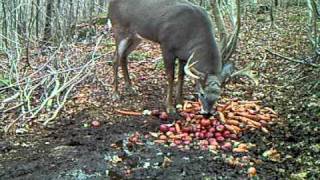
[184, 32]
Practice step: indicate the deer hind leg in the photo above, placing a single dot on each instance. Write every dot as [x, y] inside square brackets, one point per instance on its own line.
[169, 63]
[121, 44]
[181, 74]
[132, 43]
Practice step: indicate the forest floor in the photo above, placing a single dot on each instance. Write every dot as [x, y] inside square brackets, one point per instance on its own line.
[71, 148]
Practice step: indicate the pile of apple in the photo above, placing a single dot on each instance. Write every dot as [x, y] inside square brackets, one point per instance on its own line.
[216, 132]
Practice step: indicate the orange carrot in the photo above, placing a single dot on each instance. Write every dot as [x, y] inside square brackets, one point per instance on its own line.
[129, 113]
[239, 150]
[265, 117]
[270, 110]
[243, 119]
[247, 115]
[233, 129]
[255, 123]
[243, 146]
[233, 122]
[227, 106]
[249, 102]
[221, 117]
[177, 126]
[230, 115]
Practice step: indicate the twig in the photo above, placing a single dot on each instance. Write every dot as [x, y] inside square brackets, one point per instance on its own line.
[293, 60]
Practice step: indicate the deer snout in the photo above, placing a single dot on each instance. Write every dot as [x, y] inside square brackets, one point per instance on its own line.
[207, 112]
[207, 109]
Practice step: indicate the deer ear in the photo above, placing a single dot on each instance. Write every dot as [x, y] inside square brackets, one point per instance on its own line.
[226, 72]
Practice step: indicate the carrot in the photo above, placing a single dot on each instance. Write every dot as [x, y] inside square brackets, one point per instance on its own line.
[249, 102]
[159, 141]
[247, 115]
[230, 115]
[240, 109]
[265, 117]
[247, 121]
[129, 113]
[177, 126]
[273, 115]
[233, 122]
[252, 126]
[239, 150]
[219, 109]
[255, 123]
[232, 128]
[227, 106]
[221, 117]
[270, 110]
[188, 110]
[265, 130]
[243, 119]
[252, 112]
[185, 105]
[243, 146]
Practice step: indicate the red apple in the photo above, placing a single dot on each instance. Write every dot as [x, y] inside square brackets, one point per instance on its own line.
[217, 134]
[212, 129]
[226, 146]
[220, 128]
[172, 129]
[205, 122]
[208, 134]
[95, 123]
[226, 134]
[220, 139]
[164, 128]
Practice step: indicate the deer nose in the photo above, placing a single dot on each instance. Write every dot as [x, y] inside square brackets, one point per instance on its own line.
[208, 113]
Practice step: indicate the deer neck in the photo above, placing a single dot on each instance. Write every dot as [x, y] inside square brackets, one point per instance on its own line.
[208, 58]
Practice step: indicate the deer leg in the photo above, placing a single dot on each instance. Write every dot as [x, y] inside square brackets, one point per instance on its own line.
[115, 91]
[169, 63]
[132, 44]
[121, 45]
[180, 83]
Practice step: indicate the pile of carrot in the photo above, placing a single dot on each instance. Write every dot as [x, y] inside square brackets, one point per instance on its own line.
[243, 115]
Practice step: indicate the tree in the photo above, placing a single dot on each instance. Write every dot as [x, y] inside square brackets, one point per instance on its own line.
[47, 28]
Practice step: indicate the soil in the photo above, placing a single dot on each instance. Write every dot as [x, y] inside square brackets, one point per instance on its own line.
[71, 148]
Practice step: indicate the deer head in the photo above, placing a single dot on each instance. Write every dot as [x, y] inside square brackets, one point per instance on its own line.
[209, 86]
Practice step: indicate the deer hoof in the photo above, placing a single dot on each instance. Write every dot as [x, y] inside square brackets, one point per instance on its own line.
[115, 96]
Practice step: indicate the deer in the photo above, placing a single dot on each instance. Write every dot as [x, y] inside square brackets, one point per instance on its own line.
[184, 32]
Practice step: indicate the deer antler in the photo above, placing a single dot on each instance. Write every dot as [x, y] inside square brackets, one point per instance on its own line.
[191, 71]
[188, 66]
[246, 71]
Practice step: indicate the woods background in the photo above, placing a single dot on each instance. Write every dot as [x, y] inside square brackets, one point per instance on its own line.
[37, 40]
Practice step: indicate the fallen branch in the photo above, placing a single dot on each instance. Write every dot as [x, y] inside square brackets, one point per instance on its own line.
[129, 113]
[293, 60]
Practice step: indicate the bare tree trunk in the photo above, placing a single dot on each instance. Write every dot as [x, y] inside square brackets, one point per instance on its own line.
[228, 50]
[37, 18]
[228, 43]
[4, 24]
[47, 28]
[313, 30]
[71, 18]
[219, 22]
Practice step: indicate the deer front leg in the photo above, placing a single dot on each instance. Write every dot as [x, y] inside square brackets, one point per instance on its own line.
[180, 83]
[169, 66]
[115, 91]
